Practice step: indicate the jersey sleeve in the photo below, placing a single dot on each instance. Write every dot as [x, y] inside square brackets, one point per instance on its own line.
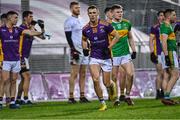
[152, 31]
[130, 25]
[67, 25]
[84, 36]
[20, 29]
[109, 28]
[164, 29]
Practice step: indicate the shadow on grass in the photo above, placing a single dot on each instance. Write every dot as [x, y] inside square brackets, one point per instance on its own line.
[69, 112]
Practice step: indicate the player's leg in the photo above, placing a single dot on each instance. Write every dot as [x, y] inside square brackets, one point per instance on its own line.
[95, 73]
[72, 80]
[7, 91]
[115, 77]
[159, 77]
[106, 66]
[20, 91]
[6, 67]
[82, 79]
[26, 78]
[129, 68]
[122, 83]
[16, 67]
[172, 78]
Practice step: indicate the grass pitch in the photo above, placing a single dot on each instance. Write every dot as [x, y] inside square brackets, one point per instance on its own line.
[143, 109]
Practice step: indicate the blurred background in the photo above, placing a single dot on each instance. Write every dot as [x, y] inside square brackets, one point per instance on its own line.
[51, 56]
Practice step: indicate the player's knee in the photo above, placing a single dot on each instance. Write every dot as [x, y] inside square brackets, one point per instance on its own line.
[27, 77]
[175, 74]
[114, 77]
[83, 75]
[13, 81]
[130, 74]
[74, 75]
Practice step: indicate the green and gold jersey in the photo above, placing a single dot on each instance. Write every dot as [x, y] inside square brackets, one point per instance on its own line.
[122, 46]
[167, 29]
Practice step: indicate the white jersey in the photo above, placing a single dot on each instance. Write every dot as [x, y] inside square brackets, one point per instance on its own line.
[74, 25]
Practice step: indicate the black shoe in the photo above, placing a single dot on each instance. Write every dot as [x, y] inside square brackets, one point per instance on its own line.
[122, 98]
[117, 103]
[162, 94]
[168, 102]
[20, 102]
[72, 101]
[84, 100]
[14, 106]
[1, 106]
[158, 95]
[129, 101]
[28, 102]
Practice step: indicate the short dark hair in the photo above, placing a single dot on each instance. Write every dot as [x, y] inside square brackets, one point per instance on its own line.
[116, 6]
[26, 13]
[159, 12]
[4, 15]
[107, 9]
[11, 13]
[168, 12]
[92, 7]
[73, 3]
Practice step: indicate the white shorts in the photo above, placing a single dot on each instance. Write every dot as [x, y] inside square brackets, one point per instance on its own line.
[173, 60]
[106, 65]
[13, 66]
[159, 59]
[83, 60]
[121, 60]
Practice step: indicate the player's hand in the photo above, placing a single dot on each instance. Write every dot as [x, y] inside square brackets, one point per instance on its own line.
[75, 53]
[154, 58]
[133, 55]
[23, 63]
[86, 52]
[167, 61]
[40, 23]
[33, 22]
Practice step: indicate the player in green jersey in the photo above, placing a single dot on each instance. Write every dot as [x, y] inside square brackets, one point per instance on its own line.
[121, 53]
[169, 56]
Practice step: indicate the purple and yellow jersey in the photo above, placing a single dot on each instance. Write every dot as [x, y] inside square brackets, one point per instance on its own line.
[10, 43]
[98, 37]
[25, 43]
[155, 33]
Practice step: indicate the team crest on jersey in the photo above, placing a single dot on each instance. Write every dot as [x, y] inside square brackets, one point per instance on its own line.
[119, 26]
[88, 31]
[11, 37]
[95, 38]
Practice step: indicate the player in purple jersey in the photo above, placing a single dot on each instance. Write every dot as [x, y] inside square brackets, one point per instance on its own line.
[10, 36]
[156, 49]
[97, 31]
[25, 49]
[7, 84]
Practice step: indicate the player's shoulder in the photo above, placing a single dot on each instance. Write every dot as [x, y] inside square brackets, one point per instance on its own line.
[22, 26]
[104, 22]
[86, 26]
[126, 20]
[69, 20]
[156, 25]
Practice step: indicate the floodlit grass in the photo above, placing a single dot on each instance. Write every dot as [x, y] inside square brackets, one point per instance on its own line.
[143, 109]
